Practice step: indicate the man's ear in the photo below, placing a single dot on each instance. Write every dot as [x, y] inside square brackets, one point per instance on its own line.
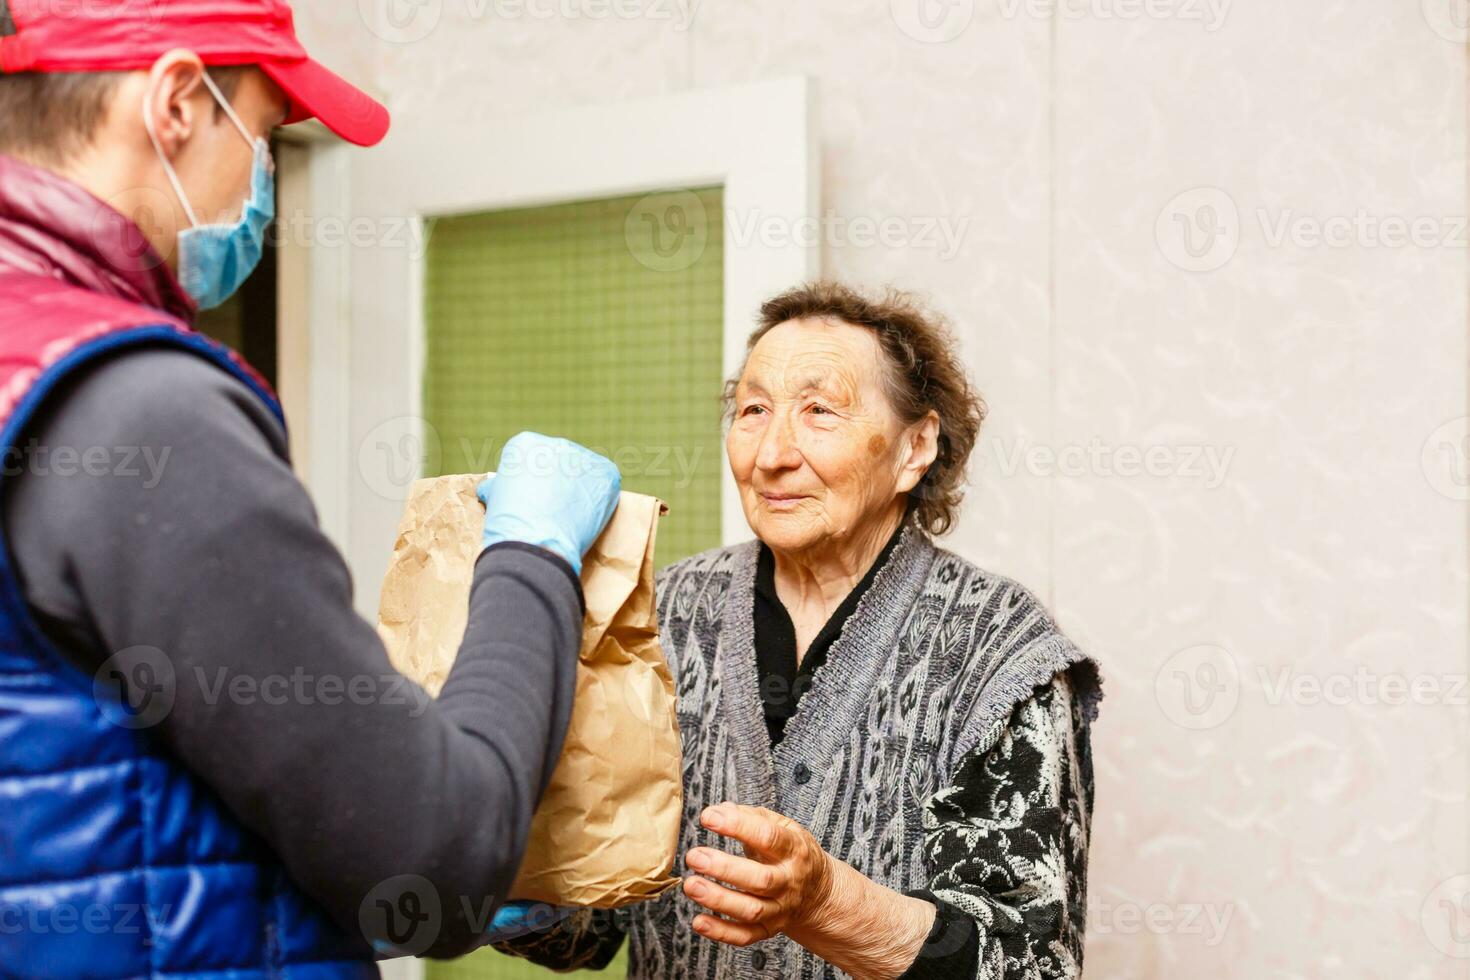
[171, 102]
[921, 448]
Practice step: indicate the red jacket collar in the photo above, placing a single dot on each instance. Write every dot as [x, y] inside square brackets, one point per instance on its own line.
[52, 227]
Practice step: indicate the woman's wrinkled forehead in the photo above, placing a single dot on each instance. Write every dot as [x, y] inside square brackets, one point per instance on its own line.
[805, 355]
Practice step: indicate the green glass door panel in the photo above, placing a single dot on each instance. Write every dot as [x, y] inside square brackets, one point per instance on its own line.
[600, 321]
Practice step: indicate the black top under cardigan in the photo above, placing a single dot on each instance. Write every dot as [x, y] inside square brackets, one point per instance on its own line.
[783, 680]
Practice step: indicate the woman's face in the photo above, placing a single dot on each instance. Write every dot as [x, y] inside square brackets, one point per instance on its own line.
[816, 450]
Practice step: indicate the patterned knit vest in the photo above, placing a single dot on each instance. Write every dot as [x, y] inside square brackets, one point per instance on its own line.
[928, 669]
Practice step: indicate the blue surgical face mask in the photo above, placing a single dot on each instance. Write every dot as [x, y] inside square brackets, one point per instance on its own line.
[215, 259]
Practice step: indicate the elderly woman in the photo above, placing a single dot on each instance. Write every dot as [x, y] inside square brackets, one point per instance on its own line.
[887, 770]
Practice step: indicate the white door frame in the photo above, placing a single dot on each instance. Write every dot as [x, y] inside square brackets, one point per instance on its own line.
[757, 141]
[313, 329]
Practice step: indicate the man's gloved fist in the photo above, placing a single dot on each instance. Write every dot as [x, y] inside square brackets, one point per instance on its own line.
[551, 493]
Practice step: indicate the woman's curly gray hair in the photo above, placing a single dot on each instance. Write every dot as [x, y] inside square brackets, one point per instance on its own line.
[924, 374]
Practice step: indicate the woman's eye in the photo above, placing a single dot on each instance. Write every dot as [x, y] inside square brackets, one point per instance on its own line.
[820, 410]
[752, 409]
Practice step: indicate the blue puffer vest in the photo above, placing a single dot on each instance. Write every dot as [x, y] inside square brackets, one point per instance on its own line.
[115, 861]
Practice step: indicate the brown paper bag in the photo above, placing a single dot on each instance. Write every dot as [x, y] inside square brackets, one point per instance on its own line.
[607, 829]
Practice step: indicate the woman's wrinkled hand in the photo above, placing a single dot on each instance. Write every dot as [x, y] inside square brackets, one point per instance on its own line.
[783, 884]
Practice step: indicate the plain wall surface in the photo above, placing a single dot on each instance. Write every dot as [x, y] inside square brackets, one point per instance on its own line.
[1227, 434]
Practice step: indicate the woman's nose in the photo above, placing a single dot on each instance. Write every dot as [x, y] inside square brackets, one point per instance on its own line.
[778, 446]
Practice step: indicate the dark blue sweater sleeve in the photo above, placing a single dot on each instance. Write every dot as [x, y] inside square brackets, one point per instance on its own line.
[203, 554]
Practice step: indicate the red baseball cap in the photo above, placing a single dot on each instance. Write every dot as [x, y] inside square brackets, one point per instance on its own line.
[130, 35]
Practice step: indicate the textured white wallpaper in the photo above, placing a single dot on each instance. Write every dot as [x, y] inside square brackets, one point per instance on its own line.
[1208, 261]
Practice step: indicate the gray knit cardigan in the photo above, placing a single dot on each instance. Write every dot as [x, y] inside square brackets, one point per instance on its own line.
[931, 665]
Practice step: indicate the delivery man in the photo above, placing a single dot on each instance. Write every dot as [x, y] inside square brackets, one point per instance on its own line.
[207, 765]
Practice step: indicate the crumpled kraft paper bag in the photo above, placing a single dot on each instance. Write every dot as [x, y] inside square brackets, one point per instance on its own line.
[606, 832]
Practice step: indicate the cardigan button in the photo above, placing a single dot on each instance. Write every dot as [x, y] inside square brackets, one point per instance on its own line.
[758, 960]
[802, 775]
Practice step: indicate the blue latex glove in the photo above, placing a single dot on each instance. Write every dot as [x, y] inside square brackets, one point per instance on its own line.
[516, 919]
[551, 493]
